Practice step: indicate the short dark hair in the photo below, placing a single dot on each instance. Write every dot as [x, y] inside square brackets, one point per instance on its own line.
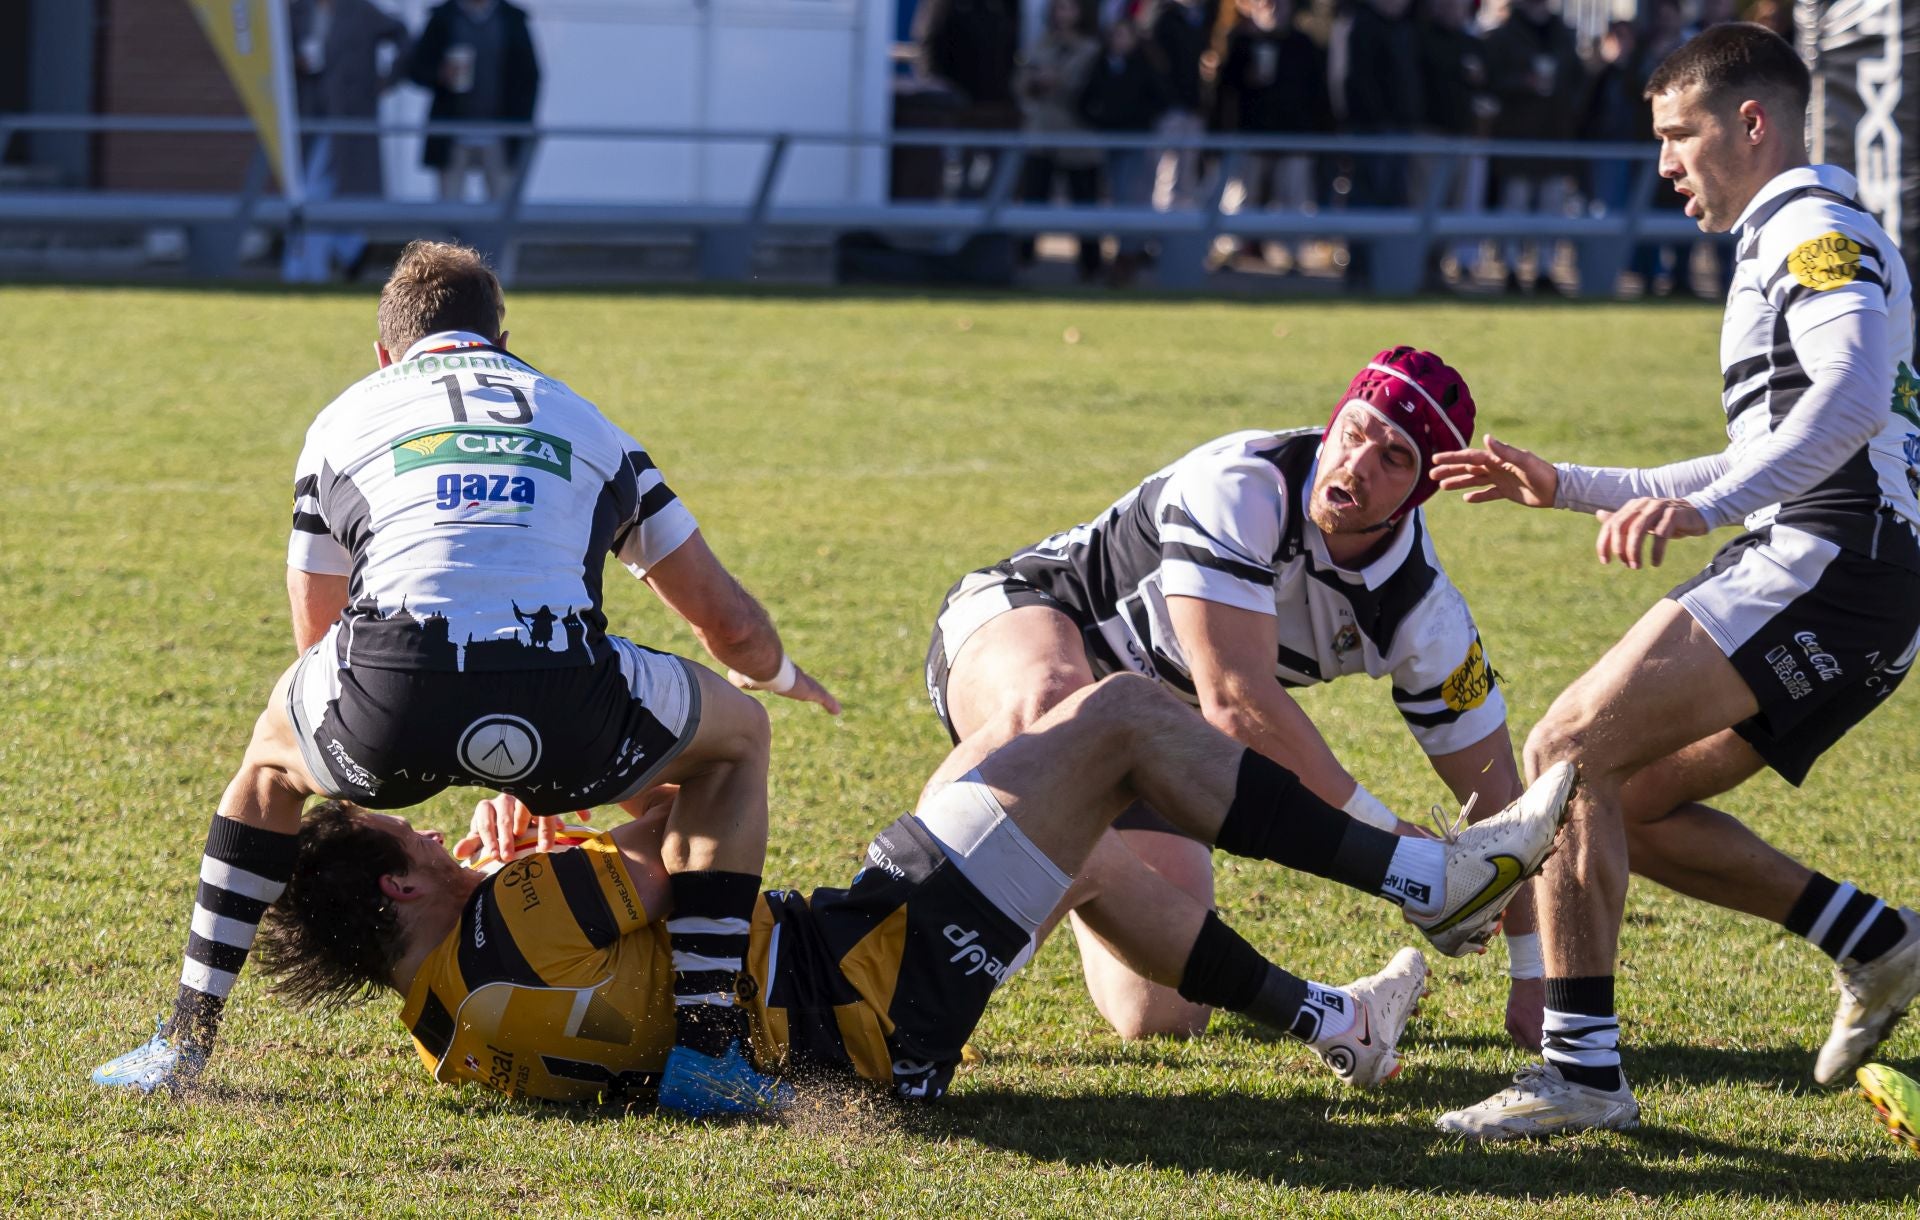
[1736, 57]
[436, 286]
[333, 937]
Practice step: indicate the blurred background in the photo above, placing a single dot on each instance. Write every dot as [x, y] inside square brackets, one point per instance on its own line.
[1236, 146]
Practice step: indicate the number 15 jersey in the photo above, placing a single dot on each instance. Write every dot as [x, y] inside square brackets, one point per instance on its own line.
[471, 501]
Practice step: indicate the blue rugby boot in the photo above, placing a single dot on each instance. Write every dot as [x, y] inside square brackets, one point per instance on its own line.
[703, 1086]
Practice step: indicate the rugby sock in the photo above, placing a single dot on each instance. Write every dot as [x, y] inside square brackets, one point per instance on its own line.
[1845, 922]
[712, 913]
[1580, 1035]
[1417, 876]
[1224, 971]
[1274, 817]
[243, 871]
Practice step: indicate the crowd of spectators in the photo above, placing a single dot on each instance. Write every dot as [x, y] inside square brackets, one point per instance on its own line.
[1513, 69]
[476, 59]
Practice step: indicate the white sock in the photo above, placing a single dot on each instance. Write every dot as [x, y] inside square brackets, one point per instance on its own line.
[1333, 1006]
[1417, 876]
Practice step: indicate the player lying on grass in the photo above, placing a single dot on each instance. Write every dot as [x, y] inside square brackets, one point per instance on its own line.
[1795, 631]
[551, 978]
[451, 510]
[1259, 562]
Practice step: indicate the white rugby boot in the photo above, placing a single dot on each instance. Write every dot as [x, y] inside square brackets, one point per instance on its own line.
[1368, 1053]
[1873, 997]
[1541, 1102]
[1486, 863]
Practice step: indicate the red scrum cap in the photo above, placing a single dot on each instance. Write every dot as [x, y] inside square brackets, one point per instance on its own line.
[1421, 397]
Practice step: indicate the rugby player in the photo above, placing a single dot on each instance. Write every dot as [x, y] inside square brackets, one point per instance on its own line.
[551, 977]
[1795, 631]
[452, 510]
[1259, 561]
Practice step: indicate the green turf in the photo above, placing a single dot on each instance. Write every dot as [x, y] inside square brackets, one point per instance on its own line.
[849, 457]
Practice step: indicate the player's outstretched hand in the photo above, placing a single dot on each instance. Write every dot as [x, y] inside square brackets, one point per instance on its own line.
[1625, 531]
[498, 823]
[804, 687]
[1498, 472]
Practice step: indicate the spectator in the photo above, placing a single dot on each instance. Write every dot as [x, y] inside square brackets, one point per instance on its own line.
[1615, 112]
[1048, 82]
[1536, 76]
[339, 74]
[969, 46]
[477, 57]
[1454, 103]
[1272, 79]
[1383, 98]
[1124, 95]
[1182, 31]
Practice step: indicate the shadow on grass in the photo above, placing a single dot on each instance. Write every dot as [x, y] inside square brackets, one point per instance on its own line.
[1307, 1143]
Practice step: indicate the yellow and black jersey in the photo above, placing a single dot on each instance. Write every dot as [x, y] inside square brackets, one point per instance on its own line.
[557, 984]
[554, 984]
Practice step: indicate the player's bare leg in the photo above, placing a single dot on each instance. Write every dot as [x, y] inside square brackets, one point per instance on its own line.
[714, 848]
[1135, 1003]
[1063, 781]
[248, 858]
[1012, 670]
[1663, 687]
[1710, 855]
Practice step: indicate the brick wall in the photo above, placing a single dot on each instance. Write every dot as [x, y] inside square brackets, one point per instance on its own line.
[154, 59]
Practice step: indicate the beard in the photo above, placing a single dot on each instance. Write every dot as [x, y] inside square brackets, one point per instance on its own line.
[1336, 507]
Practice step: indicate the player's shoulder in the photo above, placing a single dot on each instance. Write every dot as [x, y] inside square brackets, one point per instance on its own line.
[1817, 229]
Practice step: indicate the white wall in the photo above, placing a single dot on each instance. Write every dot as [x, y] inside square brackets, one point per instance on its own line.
[705, 65]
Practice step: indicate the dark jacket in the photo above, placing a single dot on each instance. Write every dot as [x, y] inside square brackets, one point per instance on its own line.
[1615, 108]
[1131, 97]
[1527, 113]
[1383, 73]
[1179, 38]
[971, 45]
[519, 89]
[348, 85]
[1293, 98]
[1453, 71]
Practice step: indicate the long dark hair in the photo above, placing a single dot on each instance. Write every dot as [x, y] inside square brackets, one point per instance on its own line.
[333, 938]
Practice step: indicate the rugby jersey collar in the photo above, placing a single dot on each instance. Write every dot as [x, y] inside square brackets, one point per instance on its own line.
[446, 341]
[1761, 209]
[1372, 575]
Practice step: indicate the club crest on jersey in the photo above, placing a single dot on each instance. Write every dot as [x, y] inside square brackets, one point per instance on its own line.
[1830, 260]
[492, 446]
[1468, 686]
[1906, 395]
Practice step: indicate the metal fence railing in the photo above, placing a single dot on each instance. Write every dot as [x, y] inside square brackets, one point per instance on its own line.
[1397, 239]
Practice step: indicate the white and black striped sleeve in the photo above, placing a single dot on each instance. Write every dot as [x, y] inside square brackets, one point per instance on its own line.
[660, 522]
[311, 547]
[1822, 268]
[1221, 521]
[1443, 684]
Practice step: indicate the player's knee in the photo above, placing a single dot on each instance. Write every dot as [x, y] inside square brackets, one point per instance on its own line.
[1562, 735]
[741, 728]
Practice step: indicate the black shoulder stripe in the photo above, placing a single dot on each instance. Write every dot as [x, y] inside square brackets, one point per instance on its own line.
[487, 953]
[434, 1029]
[656, 499]
[1207, 559]
[1173, 514]
[310, 523]
[573, 872]
[639, 461]
[1800, 292]
[1300, 663]
[306, 485]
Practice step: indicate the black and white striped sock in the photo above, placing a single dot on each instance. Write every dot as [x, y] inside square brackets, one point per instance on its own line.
[1580, 1035]
[1844, 921]
[712, 914]
[244, 869]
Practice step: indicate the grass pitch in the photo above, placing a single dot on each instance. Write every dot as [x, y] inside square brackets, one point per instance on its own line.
[849, 457]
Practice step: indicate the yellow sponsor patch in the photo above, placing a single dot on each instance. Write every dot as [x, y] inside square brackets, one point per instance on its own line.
[1830, 260]
[1467, 686]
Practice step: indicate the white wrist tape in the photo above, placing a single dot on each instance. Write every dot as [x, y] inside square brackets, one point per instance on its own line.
[1364, 806]
[779, 684]
[1523, 957]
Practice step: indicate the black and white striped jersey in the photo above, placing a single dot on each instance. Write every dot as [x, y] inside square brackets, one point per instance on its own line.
[1227, 523]
[1809, 255]
[472, 501]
